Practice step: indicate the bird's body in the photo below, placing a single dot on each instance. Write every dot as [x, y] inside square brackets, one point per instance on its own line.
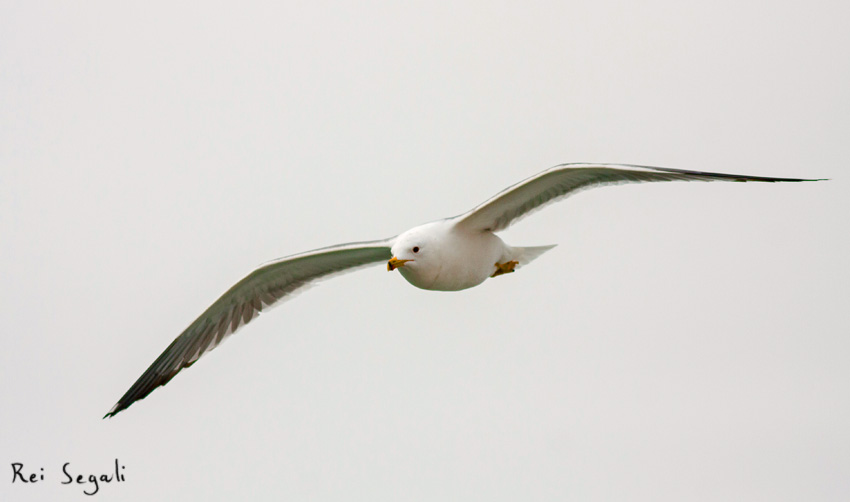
[445, 255]
[441, 256]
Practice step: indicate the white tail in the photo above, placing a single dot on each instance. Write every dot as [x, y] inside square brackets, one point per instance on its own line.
[525, 255]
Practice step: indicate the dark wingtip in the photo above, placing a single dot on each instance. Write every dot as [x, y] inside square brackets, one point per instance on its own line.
[146, 384]
[799, 179]
[728, 177]
[114, 411]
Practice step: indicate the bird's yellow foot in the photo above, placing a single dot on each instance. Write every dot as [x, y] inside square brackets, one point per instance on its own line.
[504, 268]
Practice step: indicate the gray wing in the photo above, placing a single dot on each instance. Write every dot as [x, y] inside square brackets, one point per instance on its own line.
[514, 202]
[263, 287]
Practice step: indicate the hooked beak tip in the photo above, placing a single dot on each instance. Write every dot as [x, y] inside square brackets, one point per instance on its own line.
[395, 263]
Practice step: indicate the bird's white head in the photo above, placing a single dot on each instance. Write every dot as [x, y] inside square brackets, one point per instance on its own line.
[416, 254]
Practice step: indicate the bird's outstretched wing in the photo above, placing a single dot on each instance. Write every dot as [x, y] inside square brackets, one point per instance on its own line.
[514, 202]
[266, 285]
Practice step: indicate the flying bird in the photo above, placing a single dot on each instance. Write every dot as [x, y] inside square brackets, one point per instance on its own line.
[445, 255]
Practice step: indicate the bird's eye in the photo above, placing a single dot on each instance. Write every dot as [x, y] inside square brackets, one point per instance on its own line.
[415, 249]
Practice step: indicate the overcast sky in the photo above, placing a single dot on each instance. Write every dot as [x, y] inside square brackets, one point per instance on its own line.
[684, 341]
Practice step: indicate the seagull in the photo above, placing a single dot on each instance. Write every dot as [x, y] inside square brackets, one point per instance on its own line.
[451, 254]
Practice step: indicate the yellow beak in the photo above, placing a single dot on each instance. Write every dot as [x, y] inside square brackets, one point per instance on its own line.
[395, 263]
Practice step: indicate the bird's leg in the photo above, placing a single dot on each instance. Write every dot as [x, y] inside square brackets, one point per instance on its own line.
[504, 268]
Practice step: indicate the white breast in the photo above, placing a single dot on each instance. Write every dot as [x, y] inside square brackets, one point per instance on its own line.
[455, 259]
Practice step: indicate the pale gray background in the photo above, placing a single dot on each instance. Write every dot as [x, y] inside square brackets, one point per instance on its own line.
[684, 341]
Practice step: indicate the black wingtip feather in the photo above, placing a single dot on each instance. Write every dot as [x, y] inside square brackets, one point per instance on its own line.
[732, 177]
